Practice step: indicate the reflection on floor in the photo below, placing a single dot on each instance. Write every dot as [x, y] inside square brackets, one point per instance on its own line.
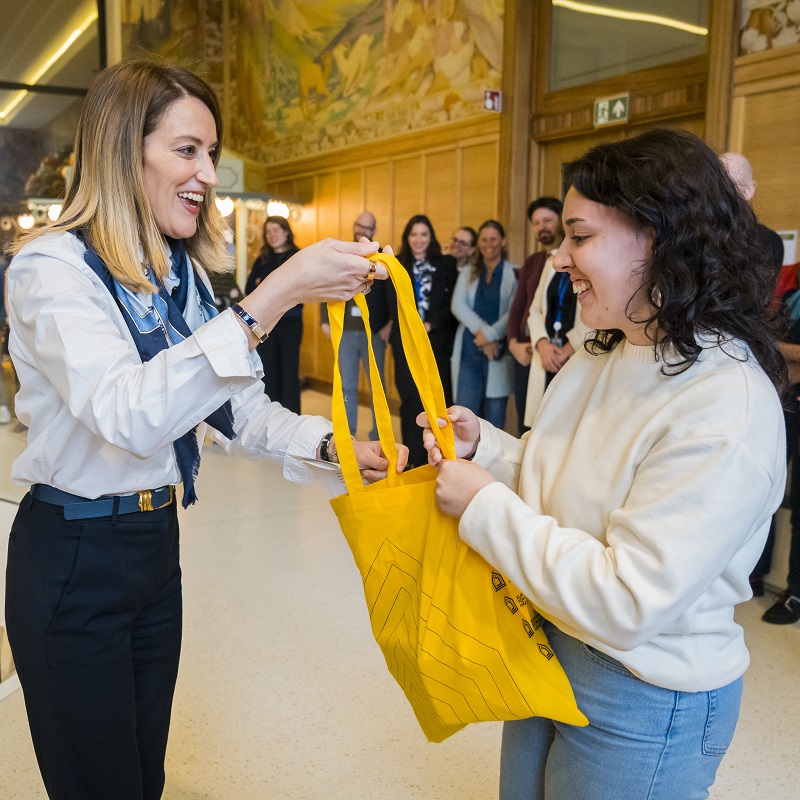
[284, 694]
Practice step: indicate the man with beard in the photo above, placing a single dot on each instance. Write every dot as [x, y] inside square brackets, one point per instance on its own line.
[545, 217]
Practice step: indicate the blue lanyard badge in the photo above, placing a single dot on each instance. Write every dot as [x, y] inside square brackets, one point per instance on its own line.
[563, 283]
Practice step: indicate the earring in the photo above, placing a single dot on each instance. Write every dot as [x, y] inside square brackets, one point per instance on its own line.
[655, 296]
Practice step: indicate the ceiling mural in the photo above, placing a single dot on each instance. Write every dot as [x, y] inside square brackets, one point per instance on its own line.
[298, 77]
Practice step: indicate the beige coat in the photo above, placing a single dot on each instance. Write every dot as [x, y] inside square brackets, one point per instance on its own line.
[536, 317]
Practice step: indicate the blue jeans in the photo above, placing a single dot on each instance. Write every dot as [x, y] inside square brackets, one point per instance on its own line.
[473, 376]
[352, 352]
[642, 742]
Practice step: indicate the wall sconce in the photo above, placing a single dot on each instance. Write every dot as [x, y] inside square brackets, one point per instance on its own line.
[275, 208]
[225, 205]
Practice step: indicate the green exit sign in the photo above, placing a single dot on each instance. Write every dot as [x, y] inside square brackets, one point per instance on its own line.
[611, 110]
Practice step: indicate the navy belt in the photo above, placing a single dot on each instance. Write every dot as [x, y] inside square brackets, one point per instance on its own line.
[76, 507]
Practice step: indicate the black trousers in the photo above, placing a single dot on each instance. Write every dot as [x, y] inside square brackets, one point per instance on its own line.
[764, 565]
[93, 609]
[410, 401]
[280, 355]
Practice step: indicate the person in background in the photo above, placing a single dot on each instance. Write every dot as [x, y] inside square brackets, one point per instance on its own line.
[482, 366]
[354, 349]
[632, 513]
[5, 395]
[462, 246]
[280, 354]
[556, 332]
[544, 214]
[124, 365]
[433, 276]
[740, 171]
[786, 609]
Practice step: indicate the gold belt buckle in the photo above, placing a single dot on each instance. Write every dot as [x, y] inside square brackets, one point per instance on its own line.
[146, 499]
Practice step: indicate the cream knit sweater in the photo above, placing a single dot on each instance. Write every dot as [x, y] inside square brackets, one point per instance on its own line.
[635, 511]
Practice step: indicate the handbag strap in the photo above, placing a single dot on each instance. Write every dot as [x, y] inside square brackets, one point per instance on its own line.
[421, 363]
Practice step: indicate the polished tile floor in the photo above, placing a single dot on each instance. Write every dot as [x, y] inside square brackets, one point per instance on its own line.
[284, 694]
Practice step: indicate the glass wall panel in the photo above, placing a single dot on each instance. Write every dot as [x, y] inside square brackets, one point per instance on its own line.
[54, 50]
[595, 40]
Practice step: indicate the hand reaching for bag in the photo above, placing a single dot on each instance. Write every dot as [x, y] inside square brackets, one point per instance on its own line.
[371, 458]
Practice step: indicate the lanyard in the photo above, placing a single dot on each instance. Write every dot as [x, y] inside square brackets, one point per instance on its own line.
[563, 282]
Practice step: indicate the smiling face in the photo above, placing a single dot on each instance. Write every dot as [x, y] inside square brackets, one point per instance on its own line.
[546, 226]
[178, 166]
[419, 239]
[607, 257]
[277, 237]
[490, 245]
[461, 246]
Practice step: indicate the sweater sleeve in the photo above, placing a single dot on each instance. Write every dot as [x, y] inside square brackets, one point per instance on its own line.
[682, 522]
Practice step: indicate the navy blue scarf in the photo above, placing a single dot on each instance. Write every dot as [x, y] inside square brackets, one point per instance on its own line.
[151, 336]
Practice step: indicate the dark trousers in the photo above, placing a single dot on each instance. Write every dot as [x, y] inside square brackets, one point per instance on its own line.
[93, 609]
[521, 375]
[280, 355]
[410, 401]
[410, 406]
[764, 565]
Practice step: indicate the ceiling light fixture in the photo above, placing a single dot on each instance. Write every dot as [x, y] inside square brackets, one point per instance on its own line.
[71, 39]
[633, 16]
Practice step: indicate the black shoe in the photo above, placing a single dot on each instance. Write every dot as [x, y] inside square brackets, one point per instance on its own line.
[786, 610]
[757, 585]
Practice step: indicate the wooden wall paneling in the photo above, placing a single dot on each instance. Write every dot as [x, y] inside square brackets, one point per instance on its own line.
[764, 124]
[351, 200]
[771, 141]
[378, 198]
[479, 185]
[283, 188]
[316, 355]
[305, 234]
[554, 153]
[440, 193]
[305, 229]
[408, 199]
[326, 197]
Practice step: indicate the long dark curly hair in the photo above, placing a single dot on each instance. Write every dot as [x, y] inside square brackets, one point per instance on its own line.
[709, 269]
[434, 252]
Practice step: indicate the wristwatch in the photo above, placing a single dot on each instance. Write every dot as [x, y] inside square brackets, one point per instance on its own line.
[251, 323]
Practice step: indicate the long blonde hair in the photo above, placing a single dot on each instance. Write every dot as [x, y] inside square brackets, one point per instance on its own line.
[107, 194]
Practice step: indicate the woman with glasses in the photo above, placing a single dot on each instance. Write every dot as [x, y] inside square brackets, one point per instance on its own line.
[462, 246]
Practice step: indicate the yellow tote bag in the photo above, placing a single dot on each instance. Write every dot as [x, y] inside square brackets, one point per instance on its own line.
[462, 641]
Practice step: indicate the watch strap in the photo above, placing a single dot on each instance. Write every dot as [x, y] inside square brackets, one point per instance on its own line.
[251, 323]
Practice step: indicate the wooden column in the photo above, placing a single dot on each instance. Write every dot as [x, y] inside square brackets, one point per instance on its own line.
[514, 165]
[723, 38]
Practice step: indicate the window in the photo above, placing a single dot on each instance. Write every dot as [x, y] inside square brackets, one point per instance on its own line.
[51, 53]
[591, 41]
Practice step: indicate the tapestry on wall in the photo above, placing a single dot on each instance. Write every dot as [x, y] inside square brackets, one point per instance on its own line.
[298, 77]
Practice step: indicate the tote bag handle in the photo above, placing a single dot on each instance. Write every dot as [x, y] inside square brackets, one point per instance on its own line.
[422, 366]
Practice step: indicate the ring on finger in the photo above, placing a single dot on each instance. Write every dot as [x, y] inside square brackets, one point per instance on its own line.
[373, 268]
